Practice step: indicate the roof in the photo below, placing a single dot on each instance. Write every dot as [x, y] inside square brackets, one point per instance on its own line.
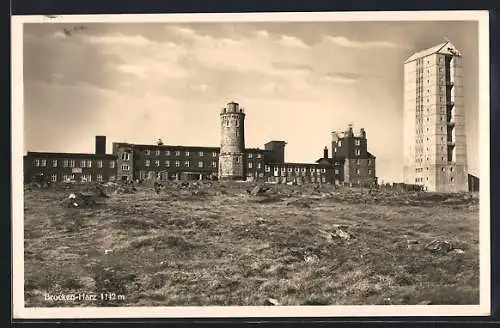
[331, 160]
[370, 155]
[446, 48]
[32, 154]
[153, 146]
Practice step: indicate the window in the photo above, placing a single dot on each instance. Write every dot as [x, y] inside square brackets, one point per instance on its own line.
[323, 179]
[261, 175]
[259, 166]
[186, 163]
[323, 170]
[167, 152]
[125, 167]
[54, 163]
[337, 171]
[357, 142]
[296, 169]
[312, 169]
[37, 162]
[200, 164]
[290, 169]
[65, 163]
[148, 152]
[43, 163]
[237, 159]
[177, 153]
[177, 164]
[259, 156]
[111, 164]
[340, 143]
[53, 178]
[267, 168]
[249, 155]
[214, 164]
[65, 178]
[357, 171]
[83, 163]
[250, 165]
[147, 162]
[158, 175]
[71, 163]
[167, 163]
[358, 152]
[369, 162]
[303, 169]
[99, 178]
[112, 178]
[357, 162]
[187, 154]
[157, 163]
[451, 169]
[200, 153]
[318, 170]
[125, 156]
[99, 164]
[158, 152]
[214, 154]
[89, 163]
[369, 171]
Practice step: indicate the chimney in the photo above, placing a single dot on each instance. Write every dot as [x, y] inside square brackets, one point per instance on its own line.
[100, 145]
[325, 152]
[362, 133]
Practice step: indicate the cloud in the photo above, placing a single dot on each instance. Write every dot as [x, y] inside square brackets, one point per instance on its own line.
[344, 78]
[292, 41]
[344, 42]
[118, 38]
[292, 66]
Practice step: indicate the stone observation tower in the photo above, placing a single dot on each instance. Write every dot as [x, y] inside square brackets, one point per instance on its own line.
[435, 152]
[232, 146]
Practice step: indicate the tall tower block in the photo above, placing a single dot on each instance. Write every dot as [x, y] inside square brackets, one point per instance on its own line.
[232, 147]
[435, 152]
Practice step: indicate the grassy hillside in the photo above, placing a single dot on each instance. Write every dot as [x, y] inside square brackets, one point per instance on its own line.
[215, 244]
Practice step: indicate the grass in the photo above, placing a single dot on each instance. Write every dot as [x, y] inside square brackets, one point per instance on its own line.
[218, 245]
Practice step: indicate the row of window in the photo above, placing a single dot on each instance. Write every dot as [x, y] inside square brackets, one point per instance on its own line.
[82, 178]
[297, 169]
[357, 142]
[147, 163]
[452, 179]
[178, 153]
[71, 163]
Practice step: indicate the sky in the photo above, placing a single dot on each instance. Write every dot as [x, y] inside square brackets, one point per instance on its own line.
[297, 82]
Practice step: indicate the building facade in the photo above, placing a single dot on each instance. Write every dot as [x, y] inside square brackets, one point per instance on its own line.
[350, 161]
[435, 153]
[351, 156]
[71, 167]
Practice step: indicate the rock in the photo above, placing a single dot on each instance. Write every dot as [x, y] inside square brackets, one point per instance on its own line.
[425, 303]
[272, 301]
[441, 246]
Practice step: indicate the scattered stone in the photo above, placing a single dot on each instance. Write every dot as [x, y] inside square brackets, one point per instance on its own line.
[108, 251]
[458, 250]
[311, 258]
[439, 246]
[272, 301]
[425, 303]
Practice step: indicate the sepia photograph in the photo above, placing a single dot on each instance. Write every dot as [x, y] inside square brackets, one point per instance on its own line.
[217, 165]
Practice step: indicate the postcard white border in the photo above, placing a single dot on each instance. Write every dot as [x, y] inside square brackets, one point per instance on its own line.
[20, 312]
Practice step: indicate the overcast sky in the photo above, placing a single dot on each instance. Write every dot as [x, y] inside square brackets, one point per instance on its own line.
[297, 82]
